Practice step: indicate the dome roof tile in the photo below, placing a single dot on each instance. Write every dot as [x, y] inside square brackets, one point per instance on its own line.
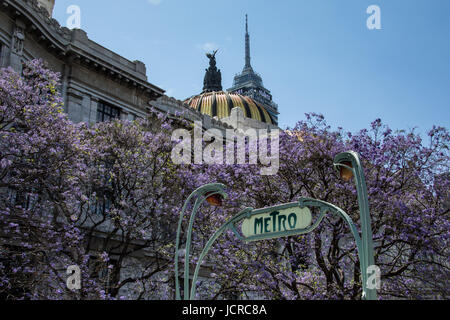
[220, 103]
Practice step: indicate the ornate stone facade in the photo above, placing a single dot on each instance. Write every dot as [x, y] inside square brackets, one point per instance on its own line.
[90, 74]
[48, 5]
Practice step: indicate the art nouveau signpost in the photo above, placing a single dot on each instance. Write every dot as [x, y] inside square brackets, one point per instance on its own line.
[281, 221]
[276, 222]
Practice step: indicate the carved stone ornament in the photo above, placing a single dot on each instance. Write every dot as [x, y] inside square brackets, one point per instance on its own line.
[18, 39]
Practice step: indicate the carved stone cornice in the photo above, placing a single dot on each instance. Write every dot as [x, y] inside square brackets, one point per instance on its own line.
[76, 45]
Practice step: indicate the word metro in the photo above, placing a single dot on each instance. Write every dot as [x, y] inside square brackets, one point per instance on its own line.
[276, 222]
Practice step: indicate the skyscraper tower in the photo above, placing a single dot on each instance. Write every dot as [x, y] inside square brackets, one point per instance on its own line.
[250, 84]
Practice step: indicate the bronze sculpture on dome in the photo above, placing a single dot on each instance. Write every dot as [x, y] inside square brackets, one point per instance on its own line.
[212, 58]
[213, 76]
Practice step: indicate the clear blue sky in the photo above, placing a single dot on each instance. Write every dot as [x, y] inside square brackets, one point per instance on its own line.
[314, 55]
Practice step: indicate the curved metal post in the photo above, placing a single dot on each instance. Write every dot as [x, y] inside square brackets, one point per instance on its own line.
[303, 202]
[228, 225]
[367, 258]
[214, 188]
[325, 206]
[187, 254]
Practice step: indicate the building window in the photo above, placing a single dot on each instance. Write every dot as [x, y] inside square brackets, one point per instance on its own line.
[107, 112]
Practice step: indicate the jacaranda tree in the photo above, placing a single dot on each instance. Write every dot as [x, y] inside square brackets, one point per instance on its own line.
[95, 197]
[39, 155]
[407, 181]
[106, 198]
[128, 204]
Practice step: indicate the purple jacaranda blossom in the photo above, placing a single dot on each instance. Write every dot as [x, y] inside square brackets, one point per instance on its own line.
[64, 183]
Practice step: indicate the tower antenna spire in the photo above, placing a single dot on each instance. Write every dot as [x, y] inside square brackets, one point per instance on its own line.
[247, 45]
[246, 24]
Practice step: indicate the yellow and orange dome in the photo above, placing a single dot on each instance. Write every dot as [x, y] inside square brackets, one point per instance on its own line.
[220, 103]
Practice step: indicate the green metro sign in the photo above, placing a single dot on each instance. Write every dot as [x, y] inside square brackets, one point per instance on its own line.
[275, 222]
[288, 219]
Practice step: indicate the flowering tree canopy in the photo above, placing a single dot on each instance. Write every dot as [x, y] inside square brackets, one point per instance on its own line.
[107, 197]
[408, 191]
